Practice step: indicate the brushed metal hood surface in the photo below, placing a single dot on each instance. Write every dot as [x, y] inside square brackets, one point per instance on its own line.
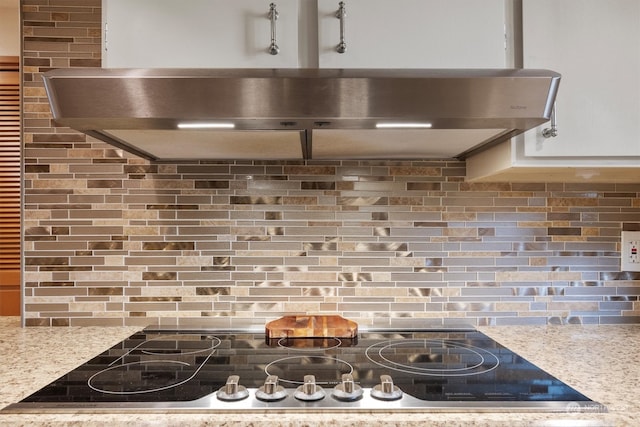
[285, 114]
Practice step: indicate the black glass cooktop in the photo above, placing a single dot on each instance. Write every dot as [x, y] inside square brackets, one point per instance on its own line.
[430, 366]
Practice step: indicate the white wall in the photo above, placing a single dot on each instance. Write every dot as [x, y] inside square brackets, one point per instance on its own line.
[9, 28]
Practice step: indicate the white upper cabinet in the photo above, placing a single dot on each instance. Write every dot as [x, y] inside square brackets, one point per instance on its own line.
[595, 45]
[198, 34]
[413, 34]
[237, 34]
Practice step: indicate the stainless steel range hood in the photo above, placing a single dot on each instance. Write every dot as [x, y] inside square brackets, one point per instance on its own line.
[210, 114]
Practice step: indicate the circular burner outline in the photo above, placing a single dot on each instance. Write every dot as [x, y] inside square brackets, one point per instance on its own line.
[313, 349]
[468, 368]
[113, 365]
[215, 344]
[146, 362]
[266, 369]
[427, 371]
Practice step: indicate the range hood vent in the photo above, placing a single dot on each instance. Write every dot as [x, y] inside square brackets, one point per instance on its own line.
[284, 114]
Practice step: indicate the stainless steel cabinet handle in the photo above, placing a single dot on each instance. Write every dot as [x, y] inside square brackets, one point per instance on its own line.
[341, 15]
[273, 16]
[552, 131]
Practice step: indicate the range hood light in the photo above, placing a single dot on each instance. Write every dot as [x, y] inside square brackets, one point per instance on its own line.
[403, 125]
[206, 125]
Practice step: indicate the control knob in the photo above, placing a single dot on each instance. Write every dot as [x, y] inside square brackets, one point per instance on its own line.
[347, 390]
[386, 390]
[232, 390]
[309, 391]
[271, 391]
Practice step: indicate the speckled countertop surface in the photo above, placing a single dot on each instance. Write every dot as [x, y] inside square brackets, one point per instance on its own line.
[602, 362]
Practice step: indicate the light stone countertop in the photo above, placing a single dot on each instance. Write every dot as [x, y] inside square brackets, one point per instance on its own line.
[602, 362]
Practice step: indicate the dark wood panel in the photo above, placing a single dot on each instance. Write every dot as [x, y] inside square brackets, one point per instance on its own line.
[10, 181]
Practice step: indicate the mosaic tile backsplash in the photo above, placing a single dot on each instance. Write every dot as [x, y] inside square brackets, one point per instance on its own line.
[110, 239]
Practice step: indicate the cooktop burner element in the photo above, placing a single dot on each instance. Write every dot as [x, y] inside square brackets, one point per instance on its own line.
[293, 369]
[152, 365]
[205, 371]
[432, 357]
[311, 344]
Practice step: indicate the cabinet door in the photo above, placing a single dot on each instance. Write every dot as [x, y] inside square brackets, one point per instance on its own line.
[413, 34]
[595, 45]
[198, 34]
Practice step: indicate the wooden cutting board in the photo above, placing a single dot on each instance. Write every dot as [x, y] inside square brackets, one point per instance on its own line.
[311, 326]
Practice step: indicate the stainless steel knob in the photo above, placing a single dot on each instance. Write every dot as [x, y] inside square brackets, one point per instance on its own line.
[347, 390]
[271, 391]
[232, 390]
[386, 390]
[309, 391]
